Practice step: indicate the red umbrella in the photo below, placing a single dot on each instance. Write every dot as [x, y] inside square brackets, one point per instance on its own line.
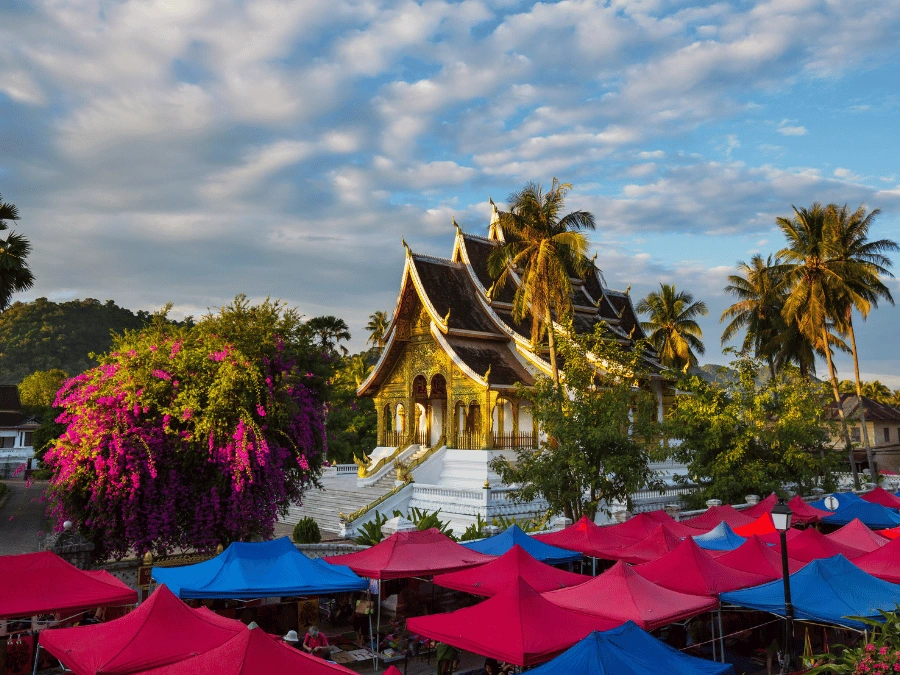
[765, 506]
[718, 514]
[775, 537]
[517, 625]
[655, 545]
[621, 594]
[516, 563]
[762, 525]
[811, 545]
[643, 524]
[757, 557]
[586, 537]
[892, 533]
[689, 569]
[804, 514]
[883, 562]
[881, 496]
[857, 535]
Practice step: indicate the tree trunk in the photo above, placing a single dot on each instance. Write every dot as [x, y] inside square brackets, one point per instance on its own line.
[551, 340]
[771, 367]
[870, 458]
[837, 398]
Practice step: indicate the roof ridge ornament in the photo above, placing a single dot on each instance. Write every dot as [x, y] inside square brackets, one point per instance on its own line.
[406, 246]
[447, 319]
[487, 374]
[455, 224]
[495, 230]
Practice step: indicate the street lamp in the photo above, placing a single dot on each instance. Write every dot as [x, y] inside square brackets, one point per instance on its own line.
[781, 518]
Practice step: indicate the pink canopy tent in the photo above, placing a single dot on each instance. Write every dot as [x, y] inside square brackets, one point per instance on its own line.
[620, 594]
[775, 537]
[718, 514]
[516, 563]
[586, 537]
[883, 562]
[655, 545]
[757, 557]
[517, 625]
[881, 496]
[162, 630]
[689, 569]
[811, 545]
[762, 525]
[643, 524]
[892, 533]
[41, 583]
[804, 514]
[411, 554]
[251, 652]
[857, 535]
[764, 506]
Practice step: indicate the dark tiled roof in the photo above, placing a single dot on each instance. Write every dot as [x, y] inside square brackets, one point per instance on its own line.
[875, 411]
[592, 286]
[478, 355]
[448, 287]
[628, 320]
[9, 397]
[579, 298]
[10, 419]
[478, 250]
[523, 327]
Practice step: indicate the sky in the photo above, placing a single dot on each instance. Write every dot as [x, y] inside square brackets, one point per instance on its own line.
[186, 151]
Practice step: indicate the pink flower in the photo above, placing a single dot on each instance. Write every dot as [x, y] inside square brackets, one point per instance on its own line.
[883, 650]
[161, 374]
[260, 411]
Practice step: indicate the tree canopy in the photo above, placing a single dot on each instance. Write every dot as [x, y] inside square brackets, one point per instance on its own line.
[38, 390]
[15, 274]
[672, 328]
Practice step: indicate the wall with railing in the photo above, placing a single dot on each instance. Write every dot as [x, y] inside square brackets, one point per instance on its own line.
[515, 440]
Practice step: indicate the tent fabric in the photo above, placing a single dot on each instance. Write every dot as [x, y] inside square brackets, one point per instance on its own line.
[517, 563]
[689, 569]
[762, 507]
[258, 570]
[628, 650]
[720, 538]
[162, 630]
[891, 533]
[718, 514]
[513, 535]
[774, 538]
[873, 515]
[621, 594]
[812, 545]
[40, 583]
[881, 496]
[418, 553]
[843, 498]
[517, 625]
[828, 590]
[251, 652]
[655, 545]
[762, 525]
[883, 562]
[856, 535]
[805, 513]
[586, 537]
[759, 558]
[642, 524]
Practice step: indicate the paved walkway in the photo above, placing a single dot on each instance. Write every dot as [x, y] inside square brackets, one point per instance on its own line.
[22, 521]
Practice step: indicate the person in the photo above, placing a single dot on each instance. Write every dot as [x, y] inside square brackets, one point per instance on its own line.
[316, 643]
[291, 639]
[446, 658]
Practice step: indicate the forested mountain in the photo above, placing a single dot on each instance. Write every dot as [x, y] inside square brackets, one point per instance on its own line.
[41, 335]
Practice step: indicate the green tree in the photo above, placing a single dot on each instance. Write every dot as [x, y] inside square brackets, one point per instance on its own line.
[15, 275]
[352, 423]
[328, 332]
[877, 391]
[672, 329]
[38, 390]
[378, 323]
[604, 429]
[544, 248]
[748, 437]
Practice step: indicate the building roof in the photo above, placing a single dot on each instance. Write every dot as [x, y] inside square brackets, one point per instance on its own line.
[10, 419]
[9, 398]
[875, 411]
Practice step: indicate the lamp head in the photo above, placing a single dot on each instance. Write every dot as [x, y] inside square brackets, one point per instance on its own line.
[781, 516]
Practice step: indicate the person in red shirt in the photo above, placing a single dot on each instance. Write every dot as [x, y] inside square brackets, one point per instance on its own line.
[316, 643]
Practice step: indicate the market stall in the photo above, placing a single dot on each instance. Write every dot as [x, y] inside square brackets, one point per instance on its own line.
[514, 535]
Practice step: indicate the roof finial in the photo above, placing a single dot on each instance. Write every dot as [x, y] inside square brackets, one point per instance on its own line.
[628, 289]
[487, 373]
[405, 245]
[495, 213]
[455, 224]
[447, 318]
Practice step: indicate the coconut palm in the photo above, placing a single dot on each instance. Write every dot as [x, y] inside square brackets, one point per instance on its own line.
[758, 309]
[672, 328]
[15, 275]
[377, 326]
[544, 248]
[866, 262]
[877, 391]
[894, 400]
[328, 332]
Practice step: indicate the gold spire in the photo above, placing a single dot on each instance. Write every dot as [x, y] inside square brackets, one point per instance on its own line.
[447, 318]
[455, 224]
[405, 245]
[487, 373]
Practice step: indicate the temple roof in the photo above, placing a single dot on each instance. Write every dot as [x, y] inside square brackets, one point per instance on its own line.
[448, 288]
[505, 369]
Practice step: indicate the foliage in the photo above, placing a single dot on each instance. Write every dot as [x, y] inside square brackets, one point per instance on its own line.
[603, 429]
[378, 324]
[187, 437]
[44, 335]
[672, 329]
[352, 424]
[525, 524]
[880, 653]
[475, 530]
[3, 490]
[425, 521]
[38, 390]
[15, 275]
[306, 531]
[749, 436]
[545, 248]
[370, 533]
[328, 332]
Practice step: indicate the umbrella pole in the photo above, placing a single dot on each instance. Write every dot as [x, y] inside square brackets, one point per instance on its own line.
[712, 625]
[374, 658]
[594, 569]
[721, 637]
[37, 653]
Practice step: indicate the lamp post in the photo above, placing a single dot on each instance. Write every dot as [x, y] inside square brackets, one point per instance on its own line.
[781, 518]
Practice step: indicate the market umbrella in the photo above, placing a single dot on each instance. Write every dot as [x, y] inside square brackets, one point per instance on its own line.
[856, 535]
[759, 558]
[642, 524]
[655, 545]
[762, 507]
[586, 537]
[881, 496]
[514, 535]
[720, 538]
[812, 545]
[718, 514]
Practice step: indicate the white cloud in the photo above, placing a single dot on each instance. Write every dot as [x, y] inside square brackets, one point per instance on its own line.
[786, 129]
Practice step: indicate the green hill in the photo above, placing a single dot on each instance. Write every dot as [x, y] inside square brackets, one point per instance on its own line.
[41, 335]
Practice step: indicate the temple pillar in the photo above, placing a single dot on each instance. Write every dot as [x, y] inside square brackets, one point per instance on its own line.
[487, 418]
[379, 412]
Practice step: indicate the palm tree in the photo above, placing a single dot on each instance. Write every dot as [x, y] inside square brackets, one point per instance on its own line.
[758, 309]
[15, 275]
[672, 329]
[356, 369]
[328, 332]
[877, 391]
[894, 400]
[544, 248]
[378, 323]
[865, 262]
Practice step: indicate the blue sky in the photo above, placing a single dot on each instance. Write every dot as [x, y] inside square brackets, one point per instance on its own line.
[188, 151]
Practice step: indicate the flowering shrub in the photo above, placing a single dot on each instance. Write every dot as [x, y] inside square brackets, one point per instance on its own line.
[191, 436]
[878, 655]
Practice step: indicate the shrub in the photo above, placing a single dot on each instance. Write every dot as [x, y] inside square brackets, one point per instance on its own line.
[370, 533]
[306, 531]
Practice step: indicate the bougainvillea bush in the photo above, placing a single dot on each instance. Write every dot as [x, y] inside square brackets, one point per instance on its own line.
[186, 437]
[878, 653]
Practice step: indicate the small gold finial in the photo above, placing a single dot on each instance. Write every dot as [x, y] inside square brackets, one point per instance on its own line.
[455, 224]
[487, 373]
[219, 549]
[148, 558]
[447, 318]
[403, 241]
[594, 259]
[628, 289]
[487, 484]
